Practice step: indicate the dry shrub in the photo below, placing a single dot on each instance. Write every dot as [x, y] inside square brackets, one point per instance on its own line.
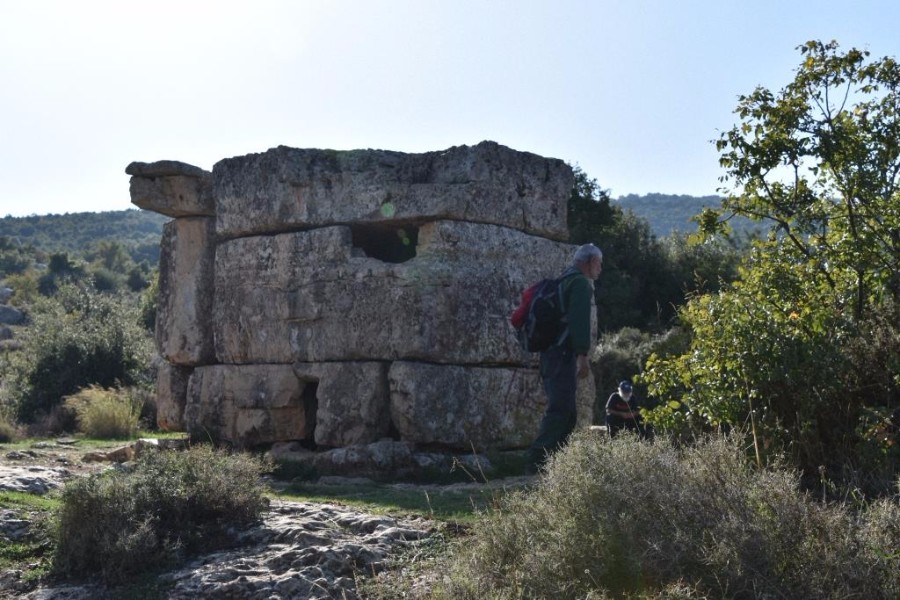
[117, 525]
[8, 430]
[629, 518]
[105, 413]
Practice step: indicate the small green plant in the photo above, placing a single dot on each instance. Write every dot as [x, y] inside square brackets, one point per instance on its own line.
[105, 413]
[118, 525]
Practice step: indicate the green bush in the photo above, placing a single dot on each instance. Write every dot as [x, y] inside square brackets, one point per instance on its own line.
[76, 339]
[150, 304]
[768, 352]
[621, 517]
[105, 280]
[117, 525]
[8, 431]
[105, 413]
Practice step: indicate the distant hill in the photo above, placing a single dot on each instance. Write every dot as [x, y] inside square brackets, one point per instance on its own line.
[141, 230]
[669, 213]
[75, 233]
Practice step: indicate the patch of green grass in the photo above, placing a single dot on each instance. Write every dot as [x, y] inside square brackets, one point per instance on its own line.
[451, 504]
[30, 555]
[22, 500]
[414, 563]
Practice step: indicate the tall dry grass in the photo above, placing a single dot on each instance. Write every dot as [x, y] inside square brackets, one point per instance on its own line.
[105, 413]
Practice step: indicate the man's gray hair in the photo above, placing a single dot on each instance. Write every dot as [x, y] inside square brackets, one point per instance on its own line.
[585, 253]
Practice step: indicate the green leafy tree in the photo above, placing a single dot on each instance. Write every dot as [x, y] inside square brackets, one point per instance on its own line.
[61, 269]
[111, 255]
[781, 350]
[79, 338]
[139, 277]
[820, 160]
[105, 280]
[14, 259]
[631, 255]
[149, 304]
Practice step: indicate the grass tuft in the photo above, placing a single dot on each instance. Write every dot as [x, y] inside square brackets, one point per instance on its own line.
[105, 413]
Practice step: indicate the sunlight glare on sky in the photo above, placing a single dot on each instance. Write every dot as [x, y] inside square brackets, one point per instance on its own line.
[632, 92]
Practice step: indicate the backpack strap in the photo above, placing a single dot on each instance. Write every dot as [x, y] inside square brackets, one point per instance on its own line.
[562, 299]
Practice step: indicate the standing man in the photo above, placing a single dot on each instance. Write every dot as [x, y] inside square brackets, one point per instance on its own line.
[567, 361]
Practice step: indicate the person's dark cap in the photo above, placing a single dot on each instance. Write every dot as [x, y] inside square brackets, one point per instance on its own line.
[625, 386]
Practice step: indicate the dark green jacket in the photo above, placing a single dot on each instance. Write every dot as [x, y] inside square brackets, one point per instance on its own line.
[577, 294]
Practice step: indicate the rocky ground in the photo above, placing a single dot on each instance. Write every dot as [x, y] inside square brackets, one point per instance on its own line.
[299, 550]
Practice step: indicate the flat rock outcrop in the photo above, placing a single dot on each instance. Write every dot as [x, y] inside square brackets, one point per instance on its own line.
[299, 550]
[342, 298]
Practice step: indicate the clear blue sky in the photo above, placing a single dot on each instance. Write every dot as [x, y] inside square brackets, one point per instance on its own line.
[632, 90]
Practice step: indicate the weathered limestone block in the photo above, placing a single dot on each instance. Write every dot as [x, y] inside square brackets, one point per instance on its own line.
[183, 321]
[246, 405]
[344, 297]
[351, 400]
[288, 188]
[171, 395]
[314, 297]
[172, 188]
[457, 406]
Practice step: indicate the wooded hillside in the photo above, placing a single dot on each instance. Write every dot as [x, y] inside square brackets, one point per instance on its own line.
[668, 213]
[77, 232]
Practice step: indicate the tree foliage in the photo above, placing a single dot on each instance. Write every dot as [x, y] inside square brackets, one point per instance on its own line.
[138, 230]
[644, 278]
[820, 160]
[670, 214]
[76, 339]
[14, 257]
[781, 351]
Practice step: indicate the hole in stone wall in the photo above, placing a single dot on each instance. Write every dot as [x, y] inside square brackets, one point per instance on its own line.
[392, 432]
[392, 244]
[310, 403]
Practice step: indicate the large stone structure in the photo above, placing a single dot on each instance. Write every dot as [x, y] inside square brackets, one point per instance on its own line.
[346, 297]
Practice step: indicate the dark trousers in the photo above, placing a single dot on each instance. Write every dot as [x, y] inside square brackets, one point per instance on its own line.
[615, 424]
[558, 373]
